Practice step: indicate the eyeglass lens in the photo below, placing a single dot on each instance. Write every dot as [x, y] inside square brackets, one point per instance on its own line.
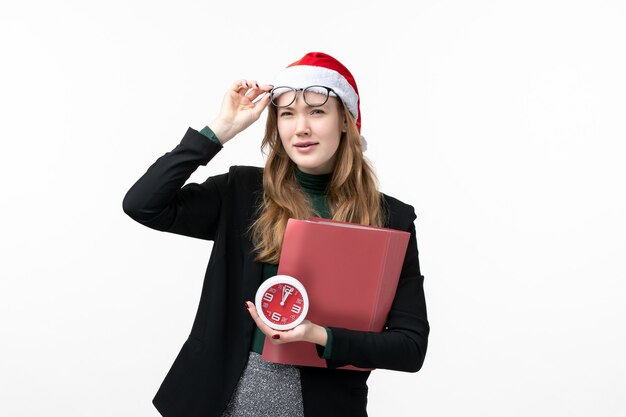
[314, 95]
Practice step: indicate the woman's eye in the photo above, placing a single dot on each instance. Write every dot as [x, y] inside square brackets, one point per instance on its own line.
[285, 113]
[317, 111]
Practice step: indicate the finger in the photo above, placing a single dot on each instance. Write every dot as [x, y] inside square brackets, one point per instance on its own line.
[249, 87]
[256, 90]
[266, 87]
[251, 91]
[268, 331]
[261, 95]
[261, 104]
[240, 86]
[254, 93]
[287, 336]
[253, 84]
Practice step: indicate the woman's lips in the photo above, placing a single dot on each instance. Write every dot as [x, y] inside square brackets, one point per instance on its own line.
[305, 147]
[304, 144]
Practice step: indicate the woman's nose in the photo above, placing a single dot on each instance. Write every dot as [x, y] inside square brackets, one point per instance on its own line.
[302, 125]
[302, 122]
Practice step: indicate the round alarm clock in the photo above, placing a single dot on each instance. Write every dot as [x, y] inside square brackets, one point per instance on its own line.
[282, 302]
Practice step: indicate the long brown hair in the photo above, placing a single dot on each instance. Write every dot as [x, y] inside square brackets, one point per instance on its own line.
[353, 194]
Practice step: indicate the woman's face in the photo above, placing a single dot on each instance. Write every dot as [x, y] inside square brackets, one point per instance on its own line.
[310, 135]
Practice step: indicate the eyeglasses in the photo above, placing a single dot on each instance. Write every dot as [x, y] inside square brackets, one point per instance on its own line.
[313, 95]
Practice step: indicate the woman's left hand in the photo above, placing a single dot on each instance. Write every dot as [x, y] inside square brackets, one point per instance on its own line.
[304, 332]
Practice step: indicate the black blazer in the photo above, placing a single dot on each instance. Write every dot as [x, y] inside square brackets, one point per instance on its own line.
[206, 371]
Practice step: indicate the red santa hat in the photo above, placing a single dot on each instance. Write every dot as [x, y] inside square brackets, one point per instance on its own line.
[318, 68]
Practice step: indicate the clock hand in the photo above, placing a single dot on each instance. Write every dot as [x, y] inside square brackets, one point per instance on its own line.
[287, 291]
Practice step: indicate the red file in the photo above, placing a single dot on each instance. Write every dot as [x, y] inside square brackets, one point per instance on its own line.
[350, 273]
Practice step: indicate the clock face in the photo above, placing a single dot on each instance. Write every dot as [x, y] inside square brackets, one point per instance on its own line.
[282, 302]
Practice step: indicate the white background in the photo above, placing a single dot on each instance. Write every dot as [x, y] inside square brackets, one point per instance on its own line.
[502, 122]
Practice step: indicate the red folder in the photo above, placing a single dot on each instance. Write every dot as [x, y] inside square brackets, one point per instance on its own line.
[350, 273]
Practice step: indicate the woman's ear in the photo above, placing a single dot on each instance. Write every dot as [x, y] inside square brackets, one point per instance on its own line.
[344, 129]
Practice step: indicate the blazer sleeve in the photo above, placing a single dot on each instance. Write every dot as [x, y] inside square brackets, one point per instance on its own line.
[402, 344]
[161, 201]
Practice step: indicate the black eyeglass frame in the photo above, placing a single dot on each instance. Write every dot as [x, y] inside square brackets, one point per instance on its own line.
[295, 95]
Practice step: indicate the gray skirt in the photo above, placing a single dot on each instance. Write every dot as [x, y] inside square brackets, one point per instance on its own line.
[266, 389]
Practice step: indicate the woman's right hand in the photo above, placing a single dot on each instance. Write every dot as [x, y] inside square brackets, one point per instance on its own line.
[239, 108]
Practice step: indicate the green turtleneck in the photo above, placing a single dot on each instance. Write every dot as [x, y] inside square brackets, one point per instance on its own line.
[315, 187]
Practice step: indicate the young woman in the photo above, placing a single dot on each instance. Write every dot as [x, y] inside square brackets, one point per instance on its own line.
[315, 166]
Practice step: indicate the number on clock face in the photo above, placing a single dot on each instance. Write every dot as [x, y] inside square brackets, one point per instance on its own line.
[279, 301]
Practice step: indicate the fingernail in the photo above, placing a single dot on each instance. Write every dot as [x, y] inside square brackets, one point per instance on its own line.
[246, 305]
[257, 85]
[276, 336]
